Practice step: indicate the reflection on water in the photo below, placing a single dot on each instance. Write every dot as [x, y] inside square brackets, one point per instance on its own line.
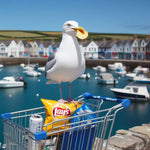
[140, 108]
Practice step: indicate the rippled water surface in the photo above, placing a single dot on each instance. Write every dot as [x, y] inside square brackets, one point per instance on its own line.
[29, 97]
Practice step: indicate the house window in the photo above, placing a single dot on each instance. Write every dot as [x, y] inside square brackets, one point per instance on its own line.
[143, 43]
[2, 49]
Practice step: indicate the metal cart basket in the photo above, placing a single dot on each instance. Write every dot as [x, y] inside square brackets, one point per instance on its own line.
[81, 132]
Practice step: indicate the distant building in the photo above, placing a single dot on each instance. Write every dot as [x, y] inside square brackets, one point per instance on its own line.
[27, 48]
[4, 48]
[89, 49]
[48, 49]
[13, 49]
[20, 48]
[105, 49]
[35, 47]
[148, 50]
[138, 49]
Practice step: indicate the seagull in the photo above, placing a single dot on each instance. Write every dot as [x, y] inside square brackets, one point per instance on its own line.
[68, 63]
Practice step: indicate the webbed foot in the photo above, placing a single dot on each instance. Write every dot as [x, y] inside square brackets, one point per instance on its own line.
[62, 101]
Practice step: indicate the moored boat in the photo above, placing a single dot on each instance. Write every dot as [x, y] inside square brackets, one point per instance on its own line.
[106, 78]
[1, 66]
[41, 69]
[85, 76]
[115, 66]
[22, 65]
[121, 71]
[141, 79]
[133, 92]
[130, 76]
[100, 68]
[32, 73]
[10, 82]
[141, 69]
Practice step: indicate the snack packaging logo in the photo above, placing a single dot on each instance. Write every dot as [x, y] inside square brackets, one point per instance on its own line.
[59, 111]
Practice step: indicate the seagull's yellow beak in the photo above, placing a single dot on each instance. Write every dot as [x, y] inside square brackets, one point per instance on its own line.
[81, 33]
[80, 29]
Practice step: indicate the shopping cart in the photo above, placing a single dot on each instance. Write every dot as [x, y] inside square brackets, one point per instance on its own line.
[81, 132]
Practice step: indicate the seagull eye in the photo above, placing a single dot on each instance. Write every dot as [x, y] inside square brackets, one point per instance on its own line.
[68, 25]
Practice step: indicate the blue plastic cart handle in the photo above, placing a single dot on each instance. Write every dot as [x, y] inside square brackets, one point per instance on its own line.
[124, 102]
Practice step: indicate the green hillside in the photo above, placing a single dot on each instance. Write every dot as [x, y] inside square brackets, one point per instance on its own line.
[52, 35]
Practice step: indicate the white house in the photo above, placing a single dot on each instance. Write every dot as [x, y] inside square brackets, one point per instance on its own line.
[105, 49]
[48, 49]
[20, 48]
[127, 49]
[89, 49]
[4, 48]
[13, 49]
[138, 49]
[34, 48]
[121, 49]
[28, 50]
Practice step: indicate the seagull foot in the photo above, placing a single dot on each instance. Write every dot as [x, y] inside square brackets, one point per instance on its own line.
[62, 101]
[72, 100]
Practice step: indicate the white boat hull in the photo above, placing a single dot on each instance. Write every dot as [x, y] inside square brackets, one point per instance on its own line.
[132, 92]
[107, 82]
[130, 96]
[131, 76]
[11, 85]
[41, 69]
[85, 76]
[1, 66]
[112, 67]
[100, 69]
[33, 74]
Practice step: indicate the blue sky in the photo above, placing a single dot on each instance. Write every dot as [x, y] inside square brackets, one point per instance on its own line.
[102, 16]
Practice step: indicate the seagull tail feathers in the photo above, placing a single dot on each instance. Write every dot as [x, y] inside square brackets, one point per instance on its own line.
[51, 82]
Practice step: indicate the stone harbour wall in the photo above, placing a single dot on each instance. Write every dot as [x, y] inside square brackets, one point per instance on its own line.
[136, 138]
[89, 63]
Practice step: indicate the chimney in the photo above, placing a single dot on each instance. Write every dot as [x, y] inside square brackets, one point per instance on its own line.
[104, 39]
[113, 39]
[135, 36]
[28, 41]
[12, 38]
[148, 36]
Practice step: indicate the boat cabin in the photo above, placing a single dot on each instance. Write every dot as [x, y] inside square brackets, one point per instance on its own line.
[137, 89]
[8, 79]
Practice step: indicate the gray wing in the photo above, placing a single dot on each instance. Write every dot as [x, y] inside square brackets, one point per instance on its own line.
[50, 63]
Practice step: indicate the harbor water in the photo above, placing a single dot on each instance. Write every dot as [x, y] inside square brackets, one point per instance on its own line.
[15, 99]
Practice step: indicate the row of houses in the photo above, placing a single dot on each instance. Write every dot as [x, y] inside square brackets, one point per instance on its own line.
[137, 49]
[19, 48]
